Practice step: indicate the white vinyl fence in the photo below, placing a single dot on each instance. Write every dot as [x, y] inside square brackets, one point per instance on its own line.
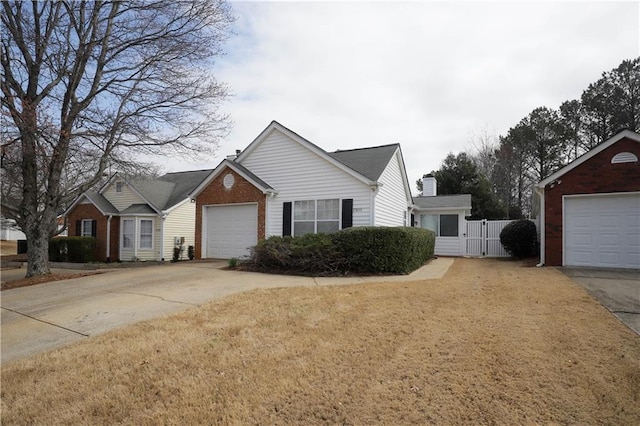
[483, 238]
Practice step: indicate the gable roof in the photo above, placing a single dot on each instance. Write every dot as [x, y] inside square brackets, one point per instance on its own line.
[101, 203]
[461, 201]
[369, 162]
[590, 154]
[168, 190]
[274, 125]
[238, 168]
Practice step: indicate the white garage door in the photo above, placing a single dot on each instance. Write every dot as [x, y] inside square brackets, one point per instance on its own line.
[231, 230]
[602, 231]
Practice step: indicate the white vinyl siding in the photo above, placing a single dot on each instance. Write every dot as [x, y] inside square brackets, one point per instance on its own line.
[181, 222]
[124, 199]
[299, 174]
[445, 245]
[391, 200]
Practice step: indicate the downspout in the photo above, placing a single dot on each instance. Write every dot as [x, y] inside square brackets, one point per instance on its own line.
[375, 187]
[540, 192]
[163, 217]
[108, 250]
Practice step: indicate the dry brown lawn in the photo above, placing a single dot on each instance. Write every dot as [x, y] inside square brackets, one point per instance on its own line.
[491, 343]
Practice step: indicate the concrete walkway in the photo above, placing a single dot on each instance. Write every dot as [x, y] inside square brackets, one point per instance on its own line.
[47, 316]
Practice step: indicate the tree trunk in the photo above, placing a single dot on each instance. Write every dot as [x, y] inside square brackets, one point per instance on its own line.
[37, 249]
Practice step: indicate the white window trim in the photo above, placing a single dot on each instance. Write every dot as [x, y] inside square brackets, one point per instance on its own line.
[315, 215]
[82, 233]
[438, 224]
[139, 234]
[133, 233]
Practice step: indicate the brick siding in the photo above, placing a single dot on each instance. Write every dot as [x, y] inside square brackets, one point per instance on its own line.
[242, 191]
[89, 211]
[594, 176]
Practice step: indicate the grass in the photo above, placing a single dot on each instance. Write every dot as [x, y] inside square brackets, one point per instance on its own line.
[491, 342]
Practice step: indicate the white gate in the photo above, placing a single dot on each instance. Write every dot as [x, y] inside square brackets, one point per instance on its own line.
[483, 238]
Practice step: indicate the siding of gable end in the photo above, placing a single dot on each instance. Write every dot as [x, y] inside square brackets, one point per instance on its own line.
[391, 204]
[242, 191]
[89, 211]
[297, 173]
[124, 199]
[595, 176]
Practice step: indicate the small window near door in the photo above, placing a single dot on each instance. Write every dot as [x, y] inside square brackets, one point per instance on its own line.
[127, 233]
[146, 234]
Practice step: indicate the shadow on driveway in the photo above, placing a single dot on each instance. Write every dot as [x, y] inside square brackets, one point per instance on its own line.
[618, 290]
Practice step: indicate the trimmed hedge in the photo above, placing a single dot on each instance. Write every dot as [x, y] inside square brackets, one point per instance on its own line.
[397, 250]
[72, 249]
[361, 250]
[520, 238]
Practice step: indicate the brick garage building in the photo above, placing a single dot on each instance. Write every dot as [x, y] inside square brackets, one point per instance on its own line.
[591, 208]
[230, 206]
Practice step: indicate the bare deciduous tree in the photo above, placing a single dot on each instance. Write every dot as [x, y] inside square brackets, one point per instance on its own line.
[87, 84]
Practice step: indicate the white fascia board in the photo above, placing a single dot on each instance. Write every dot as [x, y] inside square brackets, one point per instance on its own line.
[405, 178]
[588, 155]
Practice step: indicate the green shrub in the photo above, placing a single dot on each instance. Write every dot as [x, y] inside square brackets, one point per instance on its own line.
[311, 253]
[397, 250]
[362, 250]
[520, 238]
[72, 249]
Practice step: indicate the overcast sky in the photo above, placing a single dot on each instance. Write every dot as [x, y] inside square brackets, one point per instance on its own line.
[427, 75]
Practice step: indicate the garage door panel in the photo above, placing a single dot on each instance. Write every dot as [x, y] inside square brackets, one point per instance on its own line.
[602, 231]
[231, 230]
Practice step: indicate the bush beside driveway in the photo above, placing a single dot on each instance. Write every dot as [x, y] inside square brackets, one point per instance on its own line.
[490, 342]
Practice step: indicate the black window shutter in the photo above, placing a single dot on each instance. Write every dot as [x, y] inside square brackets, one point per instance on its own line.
[347, 213]
[413, 219]
[78, 228]
[94, 228]
[286, 219]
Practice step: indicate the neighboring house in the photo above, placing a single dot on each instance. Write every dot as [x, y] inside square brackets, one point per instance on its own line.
[138, 219]
[444, 215]
[10, 231]
[282, 184]
[590, 209]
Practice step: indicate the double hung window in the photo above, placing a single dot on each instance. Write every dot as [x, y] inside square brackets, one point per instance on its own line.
[312, 216]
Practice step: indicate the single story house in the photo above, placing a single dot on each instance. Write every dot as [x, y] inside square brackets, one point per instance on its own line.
[590, 209]
[138, 219]
[282, 184]
[443, 214]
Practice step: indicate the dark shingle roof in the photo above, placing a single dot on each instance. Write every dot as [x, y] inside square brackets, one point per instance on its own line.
[184, 184]
[170, 189]
[138, 209]
[443, 201]
[101, 203]
[369, 162]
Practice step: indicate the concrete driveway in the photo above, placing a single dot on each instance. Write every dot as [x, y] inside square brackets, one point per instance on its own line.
[47, 316]
[618, 290]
